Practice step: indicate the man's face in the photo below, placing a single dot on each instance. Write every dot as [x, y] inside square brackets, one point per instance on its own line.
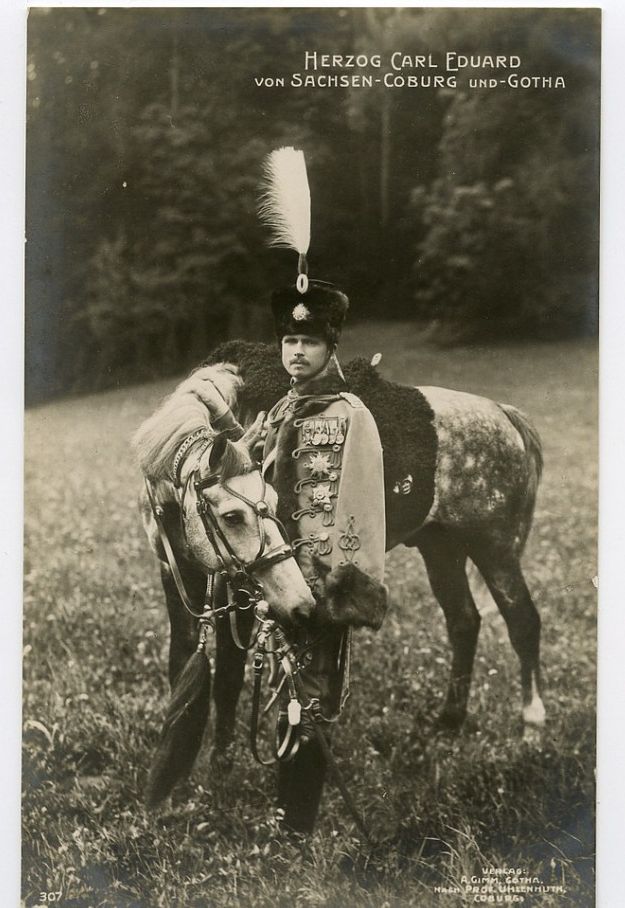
[304, 355]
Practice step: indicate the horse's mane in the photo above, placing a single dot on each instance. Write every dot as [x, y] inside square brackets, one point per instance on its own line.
[158, 438]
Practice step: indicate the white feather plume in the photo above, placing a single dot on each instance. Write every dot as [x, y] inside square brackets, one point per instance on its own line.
[285, 200]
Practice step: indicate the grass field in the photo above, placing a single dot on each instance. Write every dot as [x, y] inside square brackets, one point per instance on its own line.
[442, 808]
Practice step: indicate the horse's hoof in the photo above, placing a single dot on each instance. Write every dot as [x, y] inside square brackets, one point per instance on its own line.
[534, 713]
[222, 759]
[450, 721]
[533, 736]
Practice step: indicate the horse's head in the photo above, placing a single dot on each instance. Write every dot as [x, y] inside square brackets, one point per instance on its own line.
[229, 518]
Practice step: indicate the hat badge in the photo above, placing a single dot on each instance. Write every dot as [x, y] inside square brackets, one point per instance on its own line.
[301, 312]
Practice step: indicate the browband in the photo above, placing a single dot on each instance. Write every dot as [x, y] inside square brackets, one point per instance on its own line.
[189, 442]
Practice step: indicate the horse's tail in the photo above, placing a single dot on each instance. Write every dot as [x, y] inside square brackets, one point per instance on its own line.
[530, 436]
[182, 733]
[534, 449]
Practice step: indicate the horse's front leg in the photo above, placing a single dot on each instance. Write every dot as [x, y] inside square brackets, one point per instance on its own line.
[445, 561]
[183, 626]
[228, 681]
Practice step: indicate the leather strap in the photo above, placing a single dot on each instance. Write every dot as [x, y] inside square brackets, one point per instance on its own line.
[273, 556]
[259, 659]
[234, 627]
[157, 513]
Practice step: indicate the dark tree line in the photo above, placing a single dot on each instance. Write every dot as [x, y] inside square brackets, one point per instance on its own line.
[473, 211]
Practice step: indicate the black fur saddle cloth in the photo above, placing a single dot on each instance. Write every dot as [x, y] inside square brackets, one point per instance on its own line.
[403, 416]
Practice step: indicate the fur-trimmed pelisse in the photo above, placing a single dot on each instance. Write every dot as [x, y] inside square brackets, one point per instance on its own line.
[320, 311]
[351, 596]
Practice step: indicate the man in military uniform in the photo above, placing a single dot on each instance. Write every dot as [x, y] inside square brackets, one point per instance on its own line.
[323, 455]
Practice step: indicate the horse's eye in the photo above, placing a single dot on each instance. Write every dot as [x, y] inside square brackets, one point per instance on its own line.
[232, 518]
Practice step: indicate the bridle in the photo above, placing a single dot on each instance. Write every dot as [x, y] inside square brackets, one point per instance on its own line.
[240, 572]
[245, 590]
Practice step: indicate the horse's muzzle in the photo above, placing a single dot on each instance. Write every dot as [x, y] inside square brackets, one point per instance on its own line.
[299, 615]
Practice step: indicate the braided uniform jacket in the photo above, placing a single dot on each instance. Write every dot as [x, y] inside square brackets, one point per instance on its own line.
[323, 455]
[324, 458]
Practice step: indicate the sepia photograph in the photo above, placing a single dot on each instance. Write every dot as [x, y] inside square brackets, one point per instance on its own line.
[310, 456]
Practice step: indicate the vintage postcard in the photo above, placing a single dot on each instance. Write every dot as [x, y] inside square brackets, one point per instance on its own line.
[378, 228]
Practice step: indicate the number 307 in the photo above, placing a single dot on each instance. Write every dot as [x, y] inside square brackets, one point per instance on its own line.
[50, 896]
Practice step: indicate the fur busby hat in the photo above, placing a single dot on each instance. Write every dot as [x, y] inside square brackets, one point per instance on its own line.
[320, 311]
[308, 306]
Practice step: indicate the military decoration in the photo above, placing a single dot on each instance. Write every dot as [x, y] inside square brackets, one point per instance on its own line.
[319, 465]
[349, 540]
[321, 442]
[323, 430]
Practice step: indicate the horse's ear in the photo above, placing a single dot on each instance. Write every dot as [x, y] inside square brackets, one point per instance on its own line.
[217, 451]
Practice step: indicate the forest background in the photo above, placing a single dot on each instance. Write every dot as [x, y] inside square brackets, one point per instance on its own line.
[472, 213]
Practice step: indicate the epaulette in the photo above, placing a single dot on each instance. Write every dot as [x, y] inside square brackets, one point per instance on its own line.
[352, 400]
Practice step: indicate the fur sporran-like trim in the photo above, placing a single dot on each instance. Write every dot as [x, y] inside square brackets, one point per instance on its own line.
[354, 598]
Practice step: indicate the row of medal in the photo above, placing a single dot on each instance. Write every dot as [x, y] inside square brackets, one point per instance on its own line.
[324, 430]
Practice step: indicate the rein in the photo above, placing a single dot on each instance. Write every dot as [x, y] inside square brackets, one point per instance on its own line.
[158, 513]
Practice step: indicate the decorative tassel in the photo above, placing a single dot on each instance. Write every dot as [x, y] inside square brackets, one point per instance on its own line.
[285, 205]
[183, 731]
